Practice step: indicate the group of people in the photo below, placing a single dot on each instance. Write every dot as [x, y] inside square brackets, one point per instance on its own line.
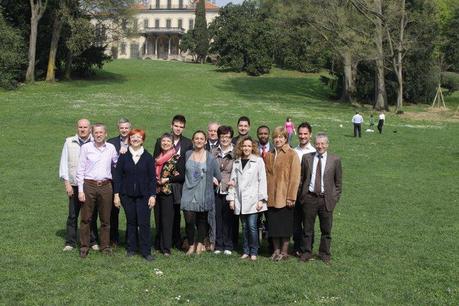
[357, 121]
[215, 179]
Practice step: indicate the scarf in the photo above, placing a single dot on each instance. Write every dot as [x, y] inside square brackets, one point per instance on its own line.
[161, 160]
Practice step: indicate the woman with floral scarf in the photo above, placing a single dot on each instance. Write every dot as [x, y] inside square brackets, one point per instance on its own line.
[169, 169]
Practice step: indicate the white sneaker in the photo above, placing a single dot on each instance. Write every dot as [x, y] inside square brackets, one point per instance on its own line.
[227, 252]
[67, 248]
[216, 252]
[95, 247]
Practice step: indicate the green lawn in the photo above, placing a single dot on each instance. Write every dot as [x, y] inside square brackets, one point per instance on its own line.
[395, 230]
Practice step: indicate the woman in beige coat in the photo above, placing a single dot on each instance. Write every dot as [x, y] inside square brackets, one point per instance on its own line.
[283, 176]
[249, 194]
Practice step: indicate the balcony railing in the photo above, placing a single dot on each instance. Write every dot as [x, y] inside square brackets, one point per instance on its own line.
[163, 30]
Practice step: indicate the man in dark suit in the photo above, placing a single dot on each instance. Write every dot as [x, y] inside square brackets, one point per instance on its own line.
[320, 190]
[182, 144]
[121, 145]
[264, 146]
[212, 136]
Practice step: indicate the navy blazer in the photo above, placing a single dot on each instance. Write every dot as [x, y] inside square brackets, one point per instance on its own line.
[116, 142]
[135, 179]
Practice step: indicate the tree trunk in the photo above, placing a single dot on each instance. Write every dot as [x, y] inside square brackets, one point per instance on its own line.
[57, 26]
[399, 66]
[380, 101]
[68, 67]
[349, 77]
[37, 10]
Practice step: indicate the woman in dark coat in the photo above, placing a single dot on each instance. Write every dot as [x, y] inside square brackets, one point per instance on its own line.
[170, 168]
[135, 189]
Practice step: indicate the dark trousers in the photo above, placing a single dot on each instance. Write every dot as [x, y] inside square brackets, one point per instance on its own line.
[298, 242]
[164, 219]
[357, 129]
[198, 220]
[114, 225]
[99, 197]
[176, 237]
[235, 234]
[224, 219]
[380, 126]
[315, 206]
[138, 223]
[72, 221]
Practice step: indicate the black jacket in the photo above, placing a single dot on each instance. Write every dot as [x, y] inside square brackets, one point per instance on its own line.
[135, 179]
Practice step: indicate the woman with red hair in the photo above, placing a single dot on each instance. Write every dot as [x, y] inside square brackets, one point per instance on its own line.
[135, 189]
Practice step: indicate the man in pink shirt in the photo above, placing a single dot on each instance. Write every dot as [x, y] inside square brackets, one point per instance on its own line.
[94, 178]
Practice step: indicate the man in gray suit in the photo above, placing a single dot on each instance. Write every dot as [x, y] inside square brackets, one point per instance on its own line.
[320, 190]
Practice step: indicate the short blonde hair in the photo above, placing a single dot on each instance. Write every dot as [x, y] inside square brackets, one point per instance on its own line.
[279, 131]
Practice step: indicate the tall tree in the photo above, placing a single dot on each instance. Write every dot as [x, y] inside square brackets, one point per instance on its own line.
[347, 33]
[201, 34]
[380, 94]
[58, 16]
[38, 8]
[398, 44]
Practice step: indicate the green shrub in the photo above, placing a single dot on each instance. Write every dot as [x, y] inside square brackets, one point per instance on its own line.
[12, 55]
[450, 81]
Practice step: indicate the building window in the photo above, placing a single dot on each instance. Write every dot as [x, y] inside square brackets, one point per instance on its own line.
[156, 23]
[191, 24]
[180, 24]
[123, 48]
[169, 4]
[168, 23]
[158, 4]
[180, 4]
[124, 24]
[145, 23]
[135, 25]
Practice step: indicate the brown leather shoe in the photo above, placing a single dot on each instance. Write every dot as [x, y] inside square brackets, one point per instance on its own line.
[305, 257]
[84, 253]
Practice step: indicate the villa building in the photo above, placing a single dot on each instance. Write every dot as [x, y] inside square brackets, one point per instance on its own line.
[157, 29]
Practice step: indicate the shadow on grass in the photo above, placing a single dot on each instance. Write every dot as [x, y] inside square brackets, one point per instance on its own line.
[62, 233]
[101, 77]
[280, 89]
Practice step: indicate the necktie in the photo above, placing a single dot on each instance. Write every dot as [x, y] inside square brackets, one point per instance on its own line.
[318, 178]
[263, 152]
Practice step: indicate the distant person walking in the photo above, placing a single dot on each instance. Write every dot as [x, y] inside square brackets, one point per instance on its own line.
[290, 127]
[357, 120]
[381, 119]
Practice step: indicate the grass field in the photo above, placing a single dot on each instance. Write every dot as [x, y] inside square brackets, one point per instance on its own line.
[396, 228]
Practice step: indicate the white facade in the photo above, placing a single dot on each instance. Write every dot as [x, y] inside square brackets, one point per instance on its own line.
[160, 25]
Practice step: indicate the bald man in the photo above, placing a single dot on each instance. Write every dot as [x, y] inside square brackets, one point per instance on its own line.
[67, 173]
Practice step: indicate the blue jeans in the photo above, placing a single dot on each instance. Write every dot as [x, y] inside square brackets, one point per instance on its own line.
[250, 234]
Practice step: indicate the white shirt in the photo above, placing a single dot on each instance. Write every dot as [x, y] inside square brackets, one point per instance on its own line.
[313, 174]
[308, 149]
[357, 119]
[260, 148]
[136, 154]
[382, 116]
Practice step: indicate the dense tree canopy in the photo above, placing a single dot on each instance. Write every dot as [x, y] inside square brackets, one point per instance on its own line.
[242, 39]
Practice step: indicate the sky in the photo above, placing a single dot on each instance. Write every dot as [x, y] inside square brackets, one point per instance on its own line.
[224, 2]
